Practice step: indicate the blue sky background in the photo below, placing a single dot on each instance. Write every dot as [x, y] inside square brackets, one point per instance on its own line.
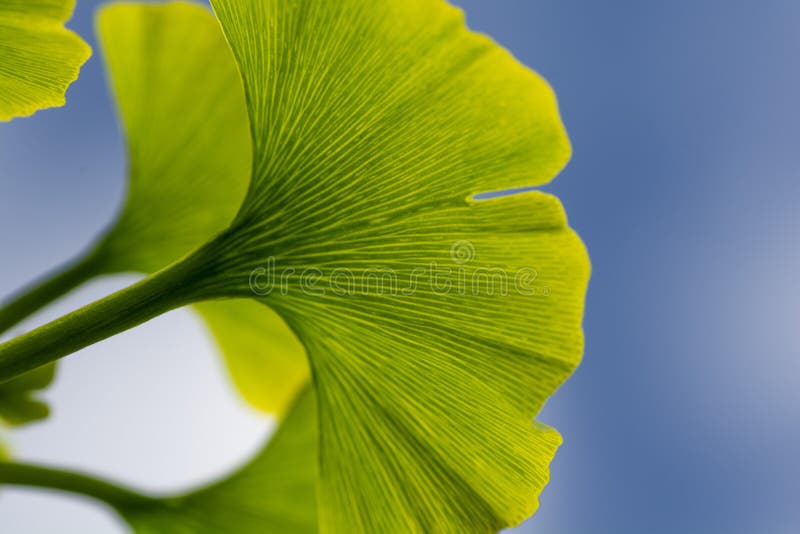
[684, 416]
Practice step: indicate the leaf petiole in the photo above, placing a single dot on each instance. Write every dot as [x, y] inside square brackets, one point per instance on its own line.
[51, 287]
[159, 293]
[19, 474]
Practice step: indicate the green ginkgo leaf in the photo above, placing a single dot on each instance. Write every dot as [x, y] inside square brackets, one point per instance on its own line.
[18, 405]
[274, 492]
[181, 102]
[40, 58]
[436, 325]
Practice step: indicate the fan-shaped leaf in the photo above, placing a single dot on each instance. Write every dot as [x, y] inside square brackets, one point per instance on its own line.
[436, 325]
[40, 58]
[373, 122]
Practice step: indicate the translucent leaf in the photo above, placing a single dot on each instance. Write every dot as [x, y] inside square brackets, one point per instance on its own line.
[181, 104]
[373, 123]
[266, 359]
[436, 325]
[40, 58]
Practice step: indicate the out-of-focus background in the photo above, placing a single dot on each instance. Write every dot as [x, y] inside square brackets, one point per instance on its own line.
[685, 184]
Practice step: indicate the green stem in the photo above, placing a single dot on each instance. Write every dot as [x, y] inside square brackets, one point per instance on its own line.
[56, 479]
[159, 293]
[52, 287]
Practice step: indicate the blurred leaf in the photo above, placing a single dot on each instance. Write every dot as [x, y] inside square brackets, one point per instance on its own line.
[263, 355]
[275, 492]
[180, 100]
[17, 404]
[40, 58]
